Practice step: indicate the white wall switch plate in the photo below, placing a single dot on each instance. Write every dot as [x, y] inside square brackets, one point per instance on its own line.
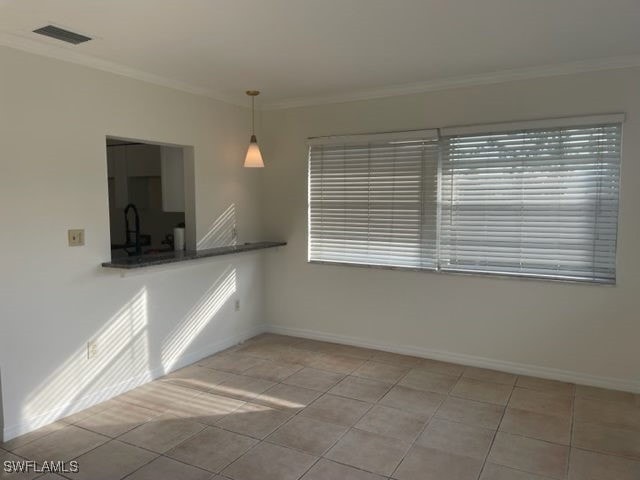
[92, 349]
[76, 238]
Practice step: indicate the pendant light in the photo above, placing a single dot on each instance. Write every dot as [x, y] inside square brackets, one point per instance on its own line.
[254, 157]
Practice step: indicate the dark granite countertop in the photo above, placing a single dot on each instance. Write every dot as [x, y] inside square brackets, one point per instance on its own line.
[174, 257]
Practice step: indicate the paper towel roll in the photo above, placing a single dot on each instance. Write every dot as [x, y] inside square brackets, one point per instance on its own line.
[178, 239]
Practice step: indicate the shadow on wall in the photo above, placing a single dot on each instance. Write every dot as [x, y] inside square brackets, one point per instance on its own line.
[221, 232]
[175, 344]
[123, 357]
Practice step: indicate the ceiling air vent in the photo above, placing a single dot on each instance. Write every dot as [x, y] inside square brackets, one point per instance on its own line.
[62, 34]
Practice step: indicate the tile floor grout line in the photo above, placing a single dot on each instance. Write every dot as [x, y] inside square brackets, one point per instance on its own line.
[542, 477]
[360, 469]
[434, 415]
[352, 427]
[413, 443]
[321, 456]
[349, 428]
[157, 453]
[533, 438]
[37, 438]
[260, 441]
[108, 441]
[606, 453]
[422, 430]
[265, 439]
[573, 422]
[164, 455]
[141, 466]
[252, 447]
[495, 434]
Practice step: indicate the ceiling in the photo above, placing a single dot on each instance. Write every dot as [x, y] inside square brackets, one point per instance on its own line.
[313, 51]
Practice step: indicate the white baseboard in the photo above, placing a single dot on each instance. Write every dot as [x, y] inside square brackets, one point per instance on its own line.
[29, 424]
[470, 360]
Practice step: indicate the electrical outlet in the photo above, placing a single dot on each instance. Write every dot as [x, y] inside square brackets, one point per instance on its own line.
[92, 349]
[237, 305]
[76, 237]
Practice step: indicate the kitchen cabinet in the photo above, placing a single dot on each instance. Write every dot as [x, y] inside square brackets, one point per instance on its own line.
[142, 174]
[172, 173]
[142, 160]
[145, 192]
[117, 171]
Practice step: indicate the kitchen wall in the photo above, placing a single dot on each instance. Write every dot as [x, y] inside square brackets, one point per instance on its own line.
[574, 332]
[54, 117]
[139, 171]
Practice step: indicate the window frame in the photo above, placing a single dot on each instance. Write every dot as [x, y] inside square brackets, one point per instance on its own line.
[443, 134]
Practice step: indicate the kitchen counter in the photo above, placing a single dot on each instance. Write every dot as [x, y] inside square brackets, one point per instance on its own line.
[141, 261]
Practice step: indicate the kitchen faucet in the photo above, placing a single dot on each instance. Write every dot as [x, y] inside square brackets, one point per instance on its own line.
[136, 231]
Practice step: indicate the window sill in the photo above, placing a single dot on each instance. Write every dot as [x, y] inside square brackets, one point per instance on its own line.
[469, 273]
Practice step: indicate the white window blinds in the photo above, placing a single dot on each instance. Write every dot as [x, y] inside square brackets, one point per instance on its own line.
[534, 201]
[539, 203]
[373, 201]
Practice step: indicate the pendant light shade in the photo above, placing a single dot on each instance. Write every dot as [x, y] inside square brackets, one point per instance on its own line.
[253, 159]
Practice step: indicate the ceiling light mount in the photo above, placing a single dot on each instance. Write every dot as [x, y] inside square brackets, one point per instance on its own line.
[253, 159]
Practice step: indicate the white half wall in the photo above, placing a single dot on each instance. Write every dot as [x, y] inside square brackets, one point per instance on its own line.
[54, 117]
[579, 332]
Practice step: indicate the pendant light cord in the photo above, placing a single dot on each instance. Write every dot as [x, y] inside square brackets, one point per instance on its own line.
[253, 128]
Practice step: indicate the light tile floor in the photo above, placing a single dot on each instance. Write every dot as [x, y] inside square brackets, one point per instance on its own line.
[283, 408]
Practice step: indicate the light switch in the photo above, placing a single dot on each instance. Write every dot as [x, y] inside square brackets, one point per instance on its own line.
[92, 349]
[76, 238]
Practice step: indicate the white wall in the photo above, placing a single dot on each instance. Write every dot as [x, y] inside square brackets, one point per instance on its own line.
[54, 117]
[577, 332]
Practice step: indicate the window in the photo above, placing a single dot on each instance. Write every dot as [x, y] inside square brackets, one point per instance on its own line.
[534, 199]
[369, 201]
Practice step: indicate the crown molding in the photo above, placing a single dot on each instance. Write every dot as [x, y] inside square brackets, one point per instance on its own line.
[20, 42]
[23, 43]
[502, 76]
